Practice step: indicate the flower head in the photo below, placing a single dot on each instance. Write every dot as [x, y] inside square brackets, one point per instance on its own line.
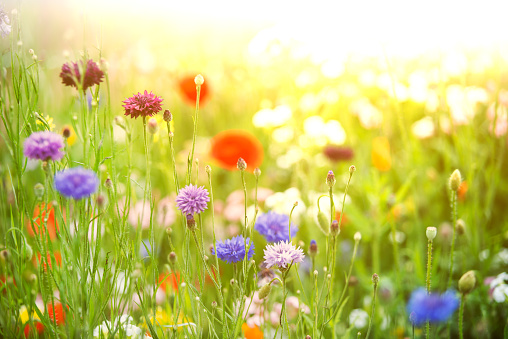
[146, 104]
[380, 154]
[44, 145]
[338, 153]
[282, 255]
[233, 250]
[228, 146]
[76, 182]
[71, 73]
[431, 307]
[192, 199]
[274, 226]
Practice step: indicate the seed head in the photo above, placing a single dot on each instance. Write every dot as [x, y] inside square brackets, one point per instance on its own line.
[358, 236]
[199, 80]
[431, 233]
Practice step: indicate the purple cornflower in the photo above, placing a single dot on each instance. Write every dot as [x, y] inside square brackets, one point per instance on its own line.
[71, 73]
[274, 226]
[233, 250]
[432, 307]
[44, 145]
[282, 255]
[76, 182]
[192, 199]
[146, 104]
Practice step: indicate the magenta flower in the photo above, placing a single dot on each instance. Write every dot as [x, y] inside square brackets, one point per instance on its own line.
[192, 199]
[282, 254]
[44, 145]
[71, 73]
[146, 104]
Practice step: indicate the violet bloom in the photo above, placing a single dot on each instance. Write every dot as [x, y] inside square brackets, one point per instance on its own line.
[233, 250]
[76, 183]
[44, 145]
[274, 226]
[144, 105]
[282, 255]
[192, 199]
[71, 73]
[432, 307]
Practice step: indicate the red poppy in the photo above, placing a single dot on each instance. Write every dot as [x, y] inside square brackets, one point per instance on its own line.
[461, 193]
[345, 219]
[188, 89]
[58, 259]
[228, 146]
[170, 280]
[38, 326]
[39, 216]
[56, 313]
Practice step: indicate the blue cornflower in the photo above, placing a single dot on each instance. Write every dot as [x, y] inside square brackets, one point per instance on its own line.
[275, 227]
[233, 250]
[76, 182]
[432, 307]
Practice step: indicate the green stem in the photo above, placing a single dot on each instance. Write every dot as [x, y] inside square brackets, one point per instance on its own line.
[191, 155]
[429, 268]
[461, 316]
[372, 311]
[452, 249]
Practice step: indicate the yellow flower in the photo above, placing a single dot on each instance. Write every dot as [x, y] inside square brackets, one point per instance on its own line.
[163, 318]
[24, 316]
[48, 120]
[72, 137]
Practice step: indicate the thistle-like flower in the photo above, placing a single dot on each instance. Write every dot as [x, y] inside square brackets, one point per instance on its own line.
[233, 250]
[71, 73]
[76, 182]
[44, 145]
[192, 199]
[282, 255]
[144, 105]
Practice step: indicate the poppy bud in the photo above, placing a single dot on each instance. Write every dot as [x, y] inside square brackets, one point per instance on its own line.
[264, 291]
[455, 180]
[467, 282]
[322, 222]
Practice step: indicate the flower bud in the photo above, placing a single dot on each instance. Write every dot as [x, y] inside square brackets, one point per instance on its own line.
[169, 230]
[66, 132]
[172, 257]
[104, 65]
[214, 304]
[334, 228]
[199, 80]
[28, 252]
[208, 169]
[330, 179]
[352, 169]
[108, 184]
[308, 337]
[191, 223]
[153, 127]
[455, 180]
[313, 248]
[375, 278]
[232, 282]
[167, 116]
[357, 236]
[315, 273]
[264, 291]
[461, 227]
[31, 51]
[39, 190]
[467, 282]
[353, 281]
[241, 164]
[431, 233]
[257, 172]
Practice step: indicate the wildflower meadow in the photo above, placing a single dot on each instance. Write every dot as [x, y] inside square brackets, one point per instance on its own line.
[165, 179]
